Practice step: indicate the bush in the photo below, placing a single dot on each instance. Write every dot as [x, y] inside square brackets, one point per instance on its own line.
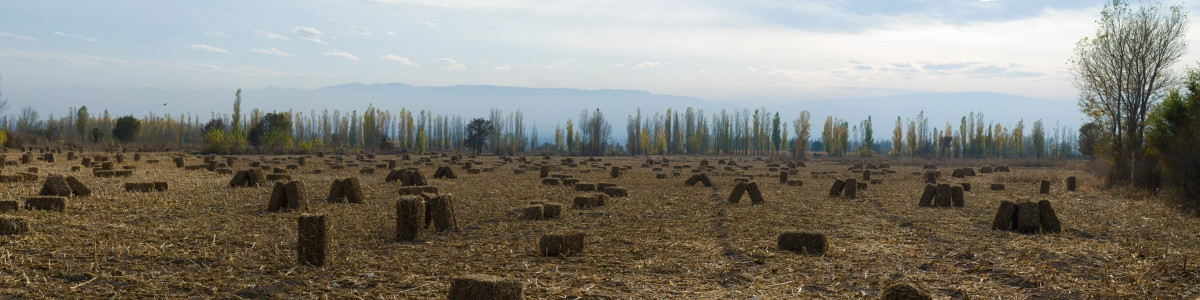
[126, 129]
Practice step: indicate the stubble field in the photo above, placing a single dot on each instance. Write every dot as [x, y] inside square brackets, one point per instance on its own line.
[204, 239]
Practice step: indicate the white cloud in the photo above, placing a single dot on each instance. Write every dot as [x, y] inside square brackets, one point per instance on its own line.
[203, 47]
[308, 34]
[340, 54]
[451, 64]
[646, 65]
[503, 68]
[270, 35]
[428, 23]
[16, 36]
[402, 60]
[77, 36]
[361, 30]
[272, 51]
[391, 33]
[92, 61]
[214, 33]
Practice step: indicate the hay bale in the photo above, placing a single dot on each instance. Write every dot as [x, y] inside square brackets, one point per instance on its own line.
[77, 187]
[1072, 183]
[615, 172]
[616, 192]
[944, 197]
[956, 196]
[550, 181]
[1047, 218]
[931, 177]
[903, 292]
[966, 186]
[51, 203]
[997, 186]
[533, 212]
[297, 199]
[9, 206]
[1006, 216]
[278, 200]
[13, 226]
[783, 177]
[660, 176]
[851, 188]
[585, 187]
[959, 173]
[55, 185]
[562, 243]
[756, 197]
[796, 183]
[836, 189]
[1028, 217]
[866, 175]
[160, 186]
[735, 195]
[803, 242]
[483, 287]
[352, 189]
[410, 210]
[551, 210]
[141, 187]
[336, 192]
[441, 210]
[310, 239]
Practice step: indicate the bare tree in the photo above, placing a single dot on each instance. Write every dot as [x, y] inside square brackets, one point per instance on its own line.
[1124, 69]
[3, 102]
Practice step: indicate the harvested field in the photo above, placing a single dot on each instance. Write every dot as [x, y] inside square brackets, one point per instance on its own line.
[204, 239]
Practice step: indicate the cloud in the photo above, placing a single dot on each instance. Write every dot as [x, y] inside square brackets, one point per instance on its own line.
[203, 47]
[272, 51]
[428, 23]
[106, 62]
[214, 33]
[402, 60]
[502, 68]
[360, 30]
[341, 54]
[646, 65]
[269, 35]
[391, 33]
[308, 34]
[16, 36]
[77, 36]
[451, 64]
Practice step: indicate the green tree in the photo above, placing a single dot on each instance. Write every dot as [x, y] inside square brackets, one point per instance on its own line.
[81, 122]
[477, 133]
[126, 129]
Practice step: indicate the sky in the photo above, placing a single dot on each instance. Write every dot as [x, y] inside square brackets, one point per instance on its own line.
[761, 51]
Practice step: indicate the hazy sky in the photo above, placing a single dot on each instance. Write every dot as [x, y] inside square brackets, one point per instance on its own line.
[719, 50]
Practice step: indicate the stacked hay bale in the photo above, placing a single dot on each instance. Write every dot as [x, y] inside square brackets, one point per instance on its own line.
[803, 242]
[837, 187]
[248, 178]
[407, 177]
[1044, 189]
[55, 185]
[701, 178]
[746, 187]
[851, 188]
[289, 196]
[9, 206]
[1072, 183]
[615, 192]
[440, 212]
[346, 190]
[475, 287]
[1026, 217]
[444, 172]
[562, 243]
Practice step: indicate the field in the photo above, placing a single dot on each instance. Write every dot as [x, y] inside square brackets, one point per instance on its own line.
[203, 239]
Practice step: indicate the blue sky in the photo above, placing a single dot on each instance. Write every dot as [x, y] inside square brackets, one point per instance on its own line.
[755, 50]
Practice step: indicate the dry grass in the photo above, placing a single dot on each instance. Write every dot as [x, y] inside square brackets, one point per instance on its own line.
[203, 239]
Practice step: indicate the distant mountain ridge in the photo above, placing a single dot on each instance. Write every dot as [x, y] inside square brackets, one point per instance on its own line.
[545, 106]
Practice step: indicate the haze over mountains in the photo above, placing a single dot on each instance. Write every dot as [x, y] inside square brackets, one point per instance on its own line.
[545, 106]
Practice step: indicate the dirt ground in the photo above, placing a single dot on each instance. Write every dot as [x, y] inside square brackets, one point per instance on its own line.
[202, 239]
